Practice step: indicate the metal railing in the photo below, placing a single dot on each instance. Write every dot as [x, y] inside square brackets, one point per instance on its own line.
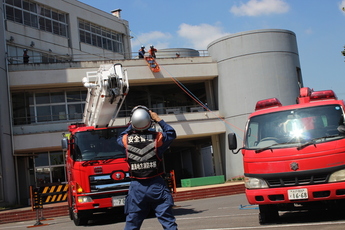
[26, 120]
[59, 58]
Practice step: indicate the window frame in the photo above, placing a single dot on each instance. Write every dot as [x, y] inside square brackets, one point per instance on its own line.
[50, 168]
[32, 107]
[99, 36]
[37, 16]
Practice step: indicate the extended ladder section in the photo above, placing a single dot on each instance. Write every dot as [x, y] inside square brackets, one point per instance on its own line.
[107, 90]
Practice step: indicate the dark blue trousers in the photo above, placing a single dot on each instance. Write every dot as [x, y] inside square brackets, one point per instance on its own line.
[145, 195]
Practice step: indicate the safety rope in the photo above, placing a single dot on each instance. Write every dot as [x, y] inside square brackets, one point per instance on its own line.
[198, 101]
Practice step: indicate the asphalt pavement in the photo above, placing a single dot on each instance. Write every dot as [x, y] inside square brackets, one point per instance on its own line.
[218, 213]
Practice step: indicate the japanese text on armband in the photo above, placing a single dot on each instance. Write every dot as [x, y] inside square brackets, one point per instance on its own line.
[140, 138]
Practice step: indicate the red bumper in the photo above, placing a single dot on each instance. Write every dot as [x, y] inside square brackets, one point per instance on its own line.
[96, 204]
[329, 191]
[102, 203]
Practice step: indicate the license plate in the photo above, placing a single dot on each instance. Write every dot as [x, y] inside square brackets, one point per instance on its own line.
[298, 194]
[118, 200]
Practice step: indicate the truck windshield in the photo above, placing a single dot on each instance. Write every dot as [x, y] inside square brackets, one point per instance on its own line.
[98, 144]
[297, 127]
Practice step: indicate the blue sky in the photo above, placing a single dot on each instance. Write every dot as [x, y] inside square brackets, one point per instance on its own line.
[318, 24]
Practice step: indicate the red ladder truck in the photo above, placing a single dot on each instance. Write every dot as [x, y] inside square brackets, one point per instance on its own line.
[97, 172]
[294, 155]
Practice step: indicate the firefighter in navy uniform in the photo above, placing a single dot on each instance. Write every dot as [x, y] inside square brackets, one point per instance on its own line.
[145, 148]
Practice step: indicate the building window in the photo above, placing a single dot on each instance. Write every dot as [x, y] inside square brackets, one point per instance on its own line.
[15, 56]
[50, 168]
[36, 107]
[99, 36]
[37, 16]
[166, 99]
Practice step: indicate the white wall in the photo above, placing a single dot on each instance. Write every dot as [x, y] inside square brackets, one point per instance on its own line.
[59, 74]
[45, 41]
[7, 173]
[252, 66]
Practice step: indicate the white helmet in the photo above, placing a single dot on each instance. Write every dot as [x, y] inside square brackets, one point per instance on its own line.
[140, 118]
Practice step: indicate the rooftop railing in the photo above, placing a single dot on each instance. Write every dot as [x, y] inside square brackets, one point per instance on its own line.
[63, 58]
[63, 117]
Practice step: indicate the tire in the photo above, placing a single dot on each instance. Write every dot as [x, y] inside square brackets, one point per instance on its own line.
[268, 214]
[71, 203]
[70, 212]
[80, 218]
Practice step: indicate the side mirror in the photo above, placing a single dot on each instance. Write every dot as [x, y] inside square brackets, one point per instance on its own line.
[64, 143]
[232, 141]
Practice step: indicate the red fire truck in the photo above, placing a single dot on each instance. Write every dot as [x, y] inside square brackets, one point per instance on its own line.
[294, 155]
[97, 172]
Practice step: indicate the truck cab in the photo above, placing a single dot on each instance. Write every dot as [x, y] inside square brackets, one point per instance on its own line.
[294, 155]
[97, 172]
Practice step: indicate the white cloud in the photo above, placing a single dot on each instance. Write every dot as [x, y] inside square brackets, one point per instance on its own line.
[159, 39]
[309, 31]
[199, 36]
[342, 5]
[260, 7]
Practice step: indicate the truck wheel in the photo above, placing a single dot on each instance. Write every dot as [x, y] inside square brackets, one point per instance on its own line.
[80, 218]
[268, 214]
[70, 212]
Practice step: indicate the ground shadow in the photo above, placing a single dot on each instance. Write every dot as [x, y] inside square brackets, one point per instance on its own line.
[310, 216]
[116, 217]
[185, 210]
[106, 218]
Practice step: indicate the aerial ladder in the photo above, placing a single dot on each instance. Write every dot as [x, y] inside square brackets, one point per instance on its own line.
[107, 90]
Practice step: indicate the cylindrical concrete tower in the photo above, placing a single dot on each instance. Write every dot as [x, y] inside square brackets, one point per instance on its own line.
[183, 52]
[252, 66]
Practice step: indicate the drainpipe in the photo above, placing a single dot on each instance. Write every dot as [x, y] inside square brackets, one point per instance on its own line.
[9, 101]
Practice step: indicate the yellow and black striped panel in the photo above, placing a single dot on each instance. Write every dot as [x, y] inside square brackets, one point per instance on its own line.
[55, 193]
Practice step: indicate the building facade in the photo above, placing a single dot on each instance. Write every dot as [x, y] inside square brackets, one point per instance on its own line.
[42, 93]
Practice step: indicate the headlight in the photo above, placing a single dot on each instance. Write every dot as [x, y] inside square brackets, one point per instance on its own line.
[251, 182]
[84, 199]
[337, 176]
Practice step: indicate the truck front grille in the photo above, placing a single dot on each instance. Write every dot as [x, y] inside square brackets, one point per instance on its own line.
[297, 180]
[104, 182]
